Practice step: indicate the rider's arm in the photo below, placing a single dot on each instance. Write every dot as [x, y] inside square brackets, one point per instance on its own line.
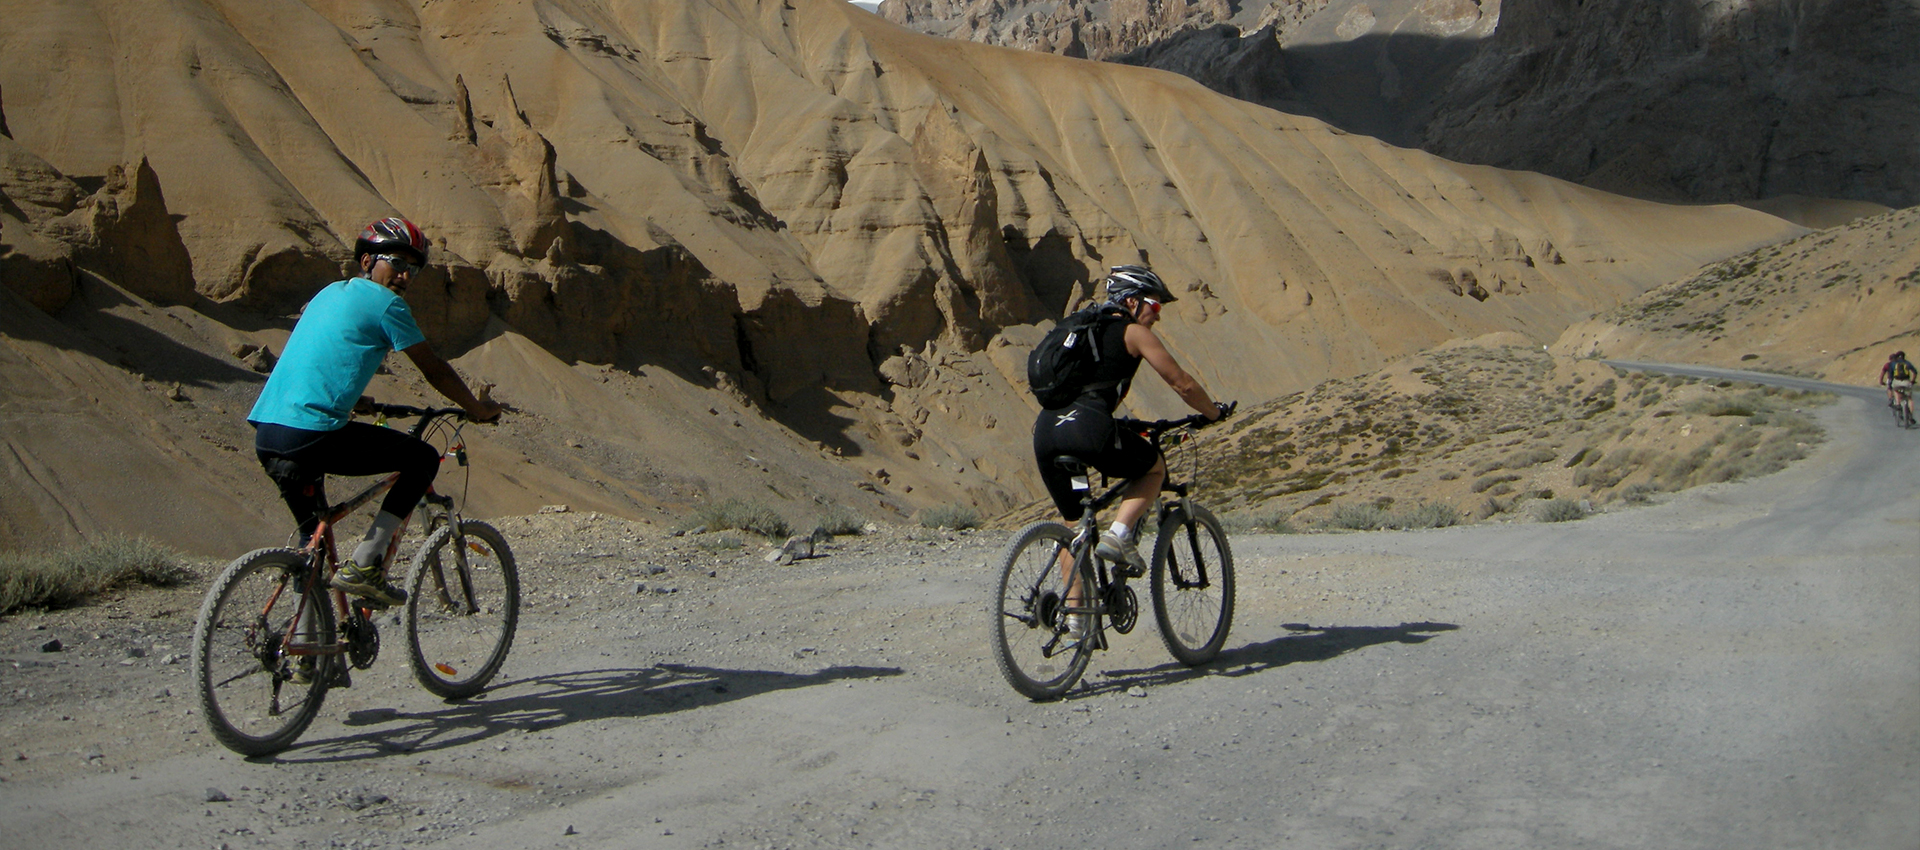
[1142, 343]
[440, 374]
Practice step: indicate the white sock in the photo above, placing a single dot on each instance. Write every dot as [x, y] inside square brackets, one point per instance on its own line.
[1120, 530]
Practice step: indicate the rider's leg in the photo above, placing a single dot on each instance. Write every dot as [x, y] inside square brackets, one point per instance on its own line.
[1140, 495]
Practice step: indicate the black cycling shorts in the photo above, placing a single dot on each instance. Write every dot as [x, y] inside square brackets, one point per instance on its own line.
[1088, 433]
[297, 460]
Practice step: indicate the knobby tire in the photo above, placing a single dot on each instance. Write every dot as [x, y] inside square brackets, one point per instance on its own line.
[1192, 584]
[245, 677]
[1024, 616]
[463, 604]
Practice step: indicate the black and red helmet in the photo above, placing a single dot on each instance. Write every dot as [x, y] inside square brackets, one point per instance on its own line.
[393, 235]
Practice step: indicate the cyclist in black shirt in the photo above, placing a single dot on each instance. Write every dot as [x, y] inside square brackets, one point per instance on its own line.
[1085, 428]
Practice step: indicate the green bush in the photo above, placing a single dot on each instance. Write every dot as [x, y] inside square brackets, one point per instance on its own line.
[745, 516]
[951, 515]
[52, 579]
[1560, 510]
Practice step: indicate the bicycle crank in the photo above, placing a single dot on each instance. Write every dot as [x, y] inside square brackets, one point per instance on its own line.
[363, 639]
[1123, 608]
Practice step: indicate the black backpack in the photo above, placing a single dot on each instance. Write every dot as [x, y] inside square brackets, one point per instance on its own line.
[1062, 366]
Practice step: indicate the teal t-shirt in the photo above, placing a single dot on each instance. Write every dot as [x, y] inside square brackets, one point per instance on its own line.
[342, 335]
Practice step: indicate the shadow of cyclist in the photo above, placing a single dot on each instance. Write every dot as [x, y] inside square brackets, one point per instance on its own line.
[544, 702]
[1308, 643]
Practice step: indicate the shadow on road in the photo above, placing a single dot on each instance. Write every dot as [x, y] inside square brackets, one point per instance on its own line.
[1309, 643]
[544, 702]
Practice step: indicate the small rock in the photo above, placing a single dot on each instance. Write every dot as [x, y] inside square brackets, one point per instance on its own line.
[1136, 691]
[570, 830]
[639, 587]
[215, 795]
[555, 509]
[136, 652]
[52, 646]
[655, 570]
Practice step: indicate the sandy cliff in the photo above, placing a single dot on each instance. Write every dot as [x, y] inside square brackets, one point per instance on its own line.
[795, 214]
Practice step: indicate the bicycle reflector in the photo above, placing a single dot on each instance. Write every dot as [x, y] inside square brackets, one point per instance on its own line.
[1080, 483]
[444, 669]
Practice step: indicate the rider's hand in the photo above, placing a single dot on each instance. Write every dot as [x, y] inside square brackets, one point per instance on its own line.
[1223, 409]
[484, 409]
[364, 406]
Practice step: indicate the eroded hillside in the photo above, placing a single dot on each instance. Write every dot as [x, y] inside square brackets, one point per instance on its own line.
[653, 220]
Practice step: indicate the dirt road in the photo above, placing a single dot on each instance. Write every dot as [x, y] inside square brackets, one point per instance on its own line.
[1736, 667]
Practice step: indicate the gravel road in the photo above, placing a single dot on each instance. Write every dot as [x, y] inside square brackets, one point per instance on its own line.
[1737, 666]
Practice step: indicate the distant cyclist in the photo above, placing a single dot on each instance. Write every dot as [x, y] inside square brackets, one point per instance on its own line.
[301, 423]
[1085, 428]
[1897, 371]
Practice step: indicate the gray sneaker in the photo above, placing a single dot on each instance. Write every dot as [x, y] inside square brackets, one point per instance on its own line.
[1123, 554]
[368, 583]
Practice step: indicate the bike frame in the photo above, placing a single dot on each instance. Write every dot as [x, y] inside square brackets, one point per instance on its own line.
[321, 553]
[1085, 573]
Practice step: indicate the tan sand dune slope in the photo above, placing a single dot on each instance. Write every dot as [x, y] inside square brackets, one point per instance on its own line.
[1831, 304]
[845, 227]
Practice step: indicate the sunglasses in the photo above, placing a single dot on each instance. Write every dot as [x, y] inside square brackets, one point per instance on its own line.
[400, 264]
[1151, 303]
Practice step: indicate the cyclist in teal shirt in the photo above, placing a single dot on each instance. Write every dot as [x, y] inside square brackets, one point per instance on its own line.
[302, 426]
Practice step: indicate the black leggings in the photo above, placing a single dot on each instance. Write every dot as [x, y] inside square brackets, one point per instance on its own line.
[297, 460]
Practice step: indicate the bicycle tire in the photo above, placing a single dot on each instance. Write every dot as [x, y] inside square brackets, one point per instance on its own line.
[459, 631]
[240, 665]
[1025, 623]
[1192, 584]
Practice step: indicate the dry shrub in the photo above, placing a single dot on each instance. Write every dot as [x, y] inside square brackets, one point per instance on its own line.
[58, 578]
[745, 516]
[1264, 522]
[1358, 517]
[952, 515]
[1560, 510]
[838, 521]
[1426, 515]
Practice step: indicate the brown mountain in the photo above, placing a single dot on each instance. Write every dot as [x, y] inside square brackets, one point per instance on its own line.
[766, 250]
[1685, 100]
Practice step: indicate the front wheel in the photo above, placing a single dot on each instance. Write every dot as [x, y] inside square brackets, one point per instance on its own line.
[463, 602]
[1026, 617]
[263, 652]
[1192, 584]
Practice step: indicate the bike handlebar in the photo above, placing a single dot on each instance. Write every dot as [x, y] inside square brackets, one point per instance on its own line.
[410, 411]
[1161, 426]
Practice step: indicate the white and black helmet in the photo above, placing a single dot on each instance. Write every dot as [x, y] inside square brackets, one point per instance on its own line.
[1124, 282]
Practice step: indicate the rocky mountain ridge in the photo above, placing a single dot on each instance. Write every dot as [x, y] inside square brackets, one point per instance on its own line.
[741, 248]
[1683, 100]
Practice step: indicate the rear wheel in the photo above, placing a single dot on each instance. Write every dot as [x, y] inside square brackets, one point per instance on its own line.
[1027, 622]
[463, 603]
[1192, 584]
[256, 694]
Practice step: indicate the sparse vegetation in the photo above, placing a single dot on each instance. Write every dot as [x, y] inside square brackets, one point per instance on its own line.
[1357, 517]
[838, 521]
[734, 514]
[64, 577]
[1265, 522]
[1560, 510]
[951, 515]
[1425, 515]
